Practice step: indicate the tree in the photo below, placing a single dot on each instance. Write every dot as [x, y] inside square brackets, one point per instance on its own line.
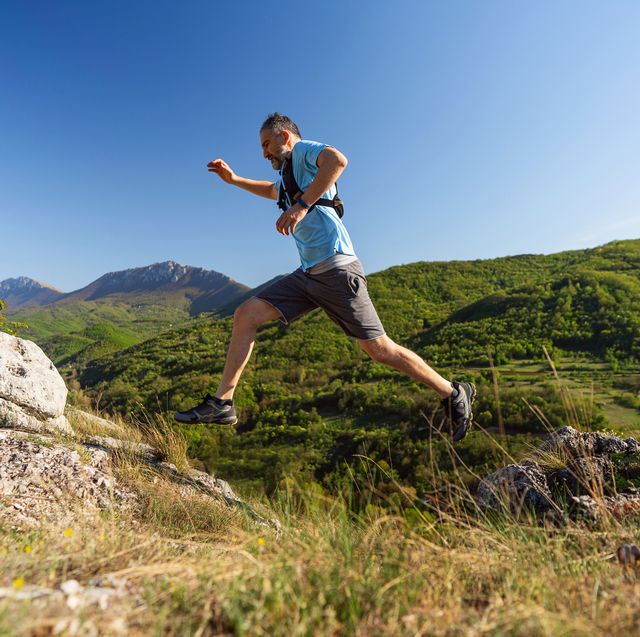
[2, 317]
[5, 325]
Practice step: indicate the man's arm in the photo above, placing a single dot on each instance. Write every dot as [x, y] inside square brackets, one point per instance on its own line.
[261, 188]
[331, 162]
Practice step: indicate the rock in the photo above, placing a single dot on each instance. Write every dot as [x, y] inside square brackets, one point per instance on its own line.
[143, 451]
[586, 475]
[584, 488]
[29, 379]
[628, 555]
[592, 509]
[79, 597]
[91, 421]
[17, 418]
[514, 487]
[27, 593]
[42, 481]
[32, 392]
[570, 443]
[198, 481]
[192, 480]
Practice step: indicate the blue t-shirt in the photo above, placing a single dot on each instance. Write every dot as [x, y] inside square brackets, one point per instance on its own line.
[321, 233]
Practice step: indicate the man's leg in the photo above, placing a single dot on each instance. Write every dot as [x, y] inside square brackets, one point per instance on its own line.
[246, 320]
[457, 398]
[384, 350]
[219, 408]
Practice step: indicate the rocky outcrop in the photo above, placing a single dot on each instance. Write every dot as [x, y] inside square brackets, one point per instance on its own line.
[44, 481]
[516, 486]
[50, 482]
[45, 476]
[190, 480]
[572, 474]
[32, 392]
[571, 443]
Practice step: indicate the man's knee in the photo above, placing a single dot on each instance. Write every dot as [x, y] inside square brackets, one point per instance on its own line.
[253, 313]
[381, 350]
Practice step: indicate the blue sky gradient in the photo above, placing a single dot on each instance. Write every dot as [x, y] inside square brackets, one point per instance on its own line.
[473, 129]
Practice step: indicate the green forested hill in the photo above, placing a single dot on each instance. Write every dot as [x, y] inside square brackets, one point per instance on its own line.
[88, 329]
[416, 296]
[310, 399]
[595, 313]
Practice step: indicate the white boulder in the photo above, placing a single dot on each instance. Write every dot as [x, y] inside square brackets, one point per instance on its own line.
[32, 392]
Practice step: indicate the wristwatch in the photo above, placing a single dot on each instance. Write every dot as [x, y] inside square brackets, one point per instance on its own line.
[302, 202]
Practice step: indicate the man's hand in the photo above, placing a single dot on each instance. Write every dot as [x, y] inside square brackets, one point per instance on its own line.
[222, 169]
[288, 220]
[261, 188]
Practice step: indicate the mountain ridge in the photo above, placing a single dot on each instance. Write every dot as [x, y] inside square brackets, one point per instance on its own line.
[24, 291]
[167, 277]
[123, 307]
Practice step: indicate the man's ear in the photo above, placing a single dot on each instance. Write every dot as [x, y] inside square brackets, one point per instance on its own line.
[286, 137]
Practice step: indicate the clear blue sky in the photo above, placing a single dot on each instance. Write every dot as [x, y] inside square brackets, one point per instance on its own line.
[473, 129]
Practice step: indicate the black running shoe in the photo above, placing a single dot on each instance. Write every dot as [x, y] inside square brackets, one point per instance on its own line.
[458, 409]
[208, 411]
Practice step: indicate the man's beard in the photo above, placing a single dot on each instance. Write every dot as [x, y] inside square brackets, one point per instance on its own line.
[277, 162]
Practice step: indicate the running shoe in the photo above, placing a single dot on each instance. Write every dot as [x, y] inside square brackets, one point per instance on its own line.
[458, 410]
[208, 411]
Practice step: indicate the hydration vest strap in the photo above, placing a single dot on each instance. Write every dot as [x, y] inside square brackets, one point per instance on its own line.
[289, 185]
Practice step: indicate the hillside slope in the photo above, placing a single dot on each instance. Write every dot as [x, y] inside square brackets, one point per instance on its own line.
[309, 399]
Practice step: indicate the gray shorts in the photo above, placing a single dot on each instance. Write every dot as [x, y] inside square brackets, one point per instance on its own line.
[341, 292]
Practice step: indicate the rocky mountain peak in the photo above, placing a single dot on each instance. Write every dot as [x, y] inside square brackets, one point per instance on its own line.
[157, 274]
[23, 291]
[23, 284]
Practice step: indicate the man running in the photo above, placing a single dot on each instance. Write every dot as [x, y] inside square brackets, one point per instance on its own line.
[330, 277]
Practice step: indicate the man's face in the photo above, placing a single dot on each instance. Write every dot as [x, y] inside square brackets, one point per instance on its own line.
[274, 147]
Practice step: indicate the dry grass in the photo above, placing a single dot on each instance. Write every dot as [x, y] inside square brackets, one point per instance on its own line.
[153, 430]
[192, 566]
[86, 424]
[161, 435]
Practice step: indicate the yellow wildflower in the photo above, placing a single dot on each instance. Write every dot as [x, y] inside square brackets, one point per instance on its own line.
[18, 583]
[27, 548]
[260, 541]
[69, 532]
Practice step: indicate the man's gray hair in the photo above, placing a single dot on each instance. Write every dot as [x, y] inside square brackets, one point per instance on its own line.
[277, 122]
